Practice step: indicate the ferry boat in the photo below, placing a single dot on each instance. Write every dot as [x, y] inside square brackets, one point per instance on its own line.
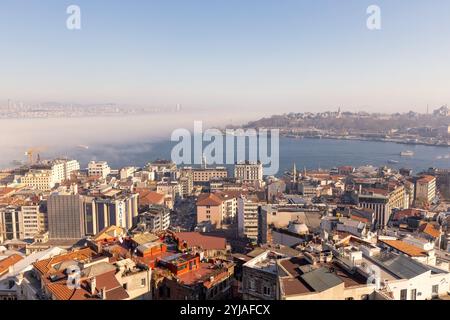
[407, 153]
[393, 161]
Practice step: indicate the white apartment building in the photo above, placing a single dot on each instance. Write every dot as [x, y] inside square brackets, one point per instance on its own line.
[230, 207]
[205, 174]
[127, 172]
[248, 172]
[42, 179]
[31, 218]
[248, 217]
[426, 188]
[70, 166]
[62, 169]
[47, 176]
[99, 169]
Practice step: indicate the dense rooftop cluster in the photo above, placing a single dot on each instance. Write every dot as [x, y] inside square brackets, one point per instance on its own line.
[204, 233]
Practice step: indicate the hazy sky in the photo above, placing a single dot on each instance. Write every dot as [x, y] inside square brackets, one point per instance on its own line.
[274, 55]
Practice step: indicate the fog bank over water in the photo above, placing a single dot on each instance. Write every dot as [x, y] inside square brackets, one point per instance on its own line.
[65, 136]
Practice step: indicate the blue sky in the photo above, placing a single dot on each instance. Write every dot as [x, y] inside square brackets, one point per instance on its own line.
[271, 55]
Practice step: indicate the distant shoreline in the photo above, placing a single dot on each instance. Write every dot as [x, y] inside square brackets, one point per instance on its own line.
[354, 138]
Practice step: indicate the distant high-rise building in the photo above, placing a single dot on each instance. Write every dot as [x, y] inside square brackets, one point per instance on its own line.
[248, 216]
[11, 223]
[65, 216]
[119, 210]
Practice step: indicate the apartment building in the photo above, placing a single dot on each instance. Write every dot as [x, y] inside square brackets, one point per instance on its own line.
[218, 208]
[99, 169]
[127, 172]
[63, 168]
[156, 218]
[111, 208]
[11, 223]
[203, 175]
[210, 208]
[383, 201]
[248, 216]
[31, 217]
[248, 172]
[426, 189]
[65, 216]
[40, 179]
[46, 175]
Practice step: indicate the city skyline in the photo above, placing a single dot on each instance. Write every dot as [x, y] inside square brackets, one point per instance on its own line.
[296, 56]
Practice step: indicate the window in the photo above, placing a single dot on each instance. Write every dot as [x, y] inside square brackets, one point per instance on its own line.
[266, 291]
[143, 282]
[403, 294]
[435, 290]
[251, 284]
[413, 294]
[349, 298]
[125, 286]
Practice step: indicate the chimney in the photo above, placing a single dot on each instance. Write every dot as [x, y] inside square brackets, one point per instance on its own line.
[93, 285]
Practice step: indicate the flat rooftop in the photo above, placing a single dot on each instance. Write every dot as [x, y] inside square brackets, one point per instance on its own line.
[305, 278]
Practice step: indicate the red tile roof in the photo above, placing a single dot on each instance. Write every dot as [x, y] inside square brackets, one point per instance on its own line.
[406, 213]
[148, 197]
[430, 230]
[426, 179]
[208, 199]
[106, 281]
[45, 266]
[8, 262]
[406, 248]
[196, 239]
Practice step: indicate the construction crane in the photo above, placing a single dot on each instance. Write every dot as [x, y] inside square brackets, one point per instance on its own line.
[31, 152]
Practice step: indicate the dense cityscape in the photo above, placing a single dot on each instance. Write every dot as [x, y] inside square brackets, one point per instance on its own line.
[224, 159]
[411, 128]
[21, 110]
[168, 232]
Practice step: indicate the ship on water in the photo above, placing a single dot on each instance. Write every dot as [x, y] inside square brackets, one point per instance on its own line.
[407, 153]
[393, 161]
